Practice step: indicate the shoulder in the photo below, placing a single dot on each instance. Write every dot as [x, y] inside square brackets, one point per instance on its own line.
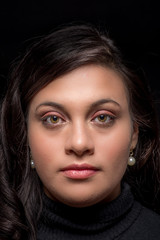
[149, 216]
[146, 225]
[149, 219]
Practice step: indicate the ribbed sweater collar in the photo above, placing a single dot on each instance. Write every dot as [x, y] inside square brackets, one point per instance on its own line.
[88, 219]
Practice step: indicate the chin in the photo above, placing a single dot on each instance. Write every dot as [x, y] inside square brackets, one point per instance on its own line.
[81, 202]
[78, 204]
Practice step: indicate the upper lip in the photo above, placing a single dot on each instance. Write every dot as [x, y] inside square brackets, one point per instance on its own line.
[79, 167]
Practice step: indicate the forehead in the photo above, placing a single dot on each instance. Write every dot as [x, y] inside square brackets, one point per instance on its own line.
[84, 84]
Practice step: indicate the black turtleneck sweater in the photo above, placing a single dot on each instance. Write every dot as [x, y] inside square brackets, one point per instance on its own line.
[122, 219]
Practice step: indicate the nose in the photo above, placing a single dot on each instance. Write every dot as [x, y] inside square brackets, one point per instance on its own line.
[79, 141]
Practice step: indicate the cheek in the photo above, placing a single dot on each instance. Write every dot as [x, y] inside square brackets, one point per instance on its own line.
[44, 148]
[114, 149]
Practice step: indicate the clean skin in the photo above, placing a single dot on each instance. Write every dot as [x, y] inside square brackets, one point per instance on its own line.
[80, 133]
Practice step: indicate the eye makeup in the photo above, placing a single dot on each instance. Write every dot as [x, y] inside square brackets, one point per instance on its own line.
[101, 113]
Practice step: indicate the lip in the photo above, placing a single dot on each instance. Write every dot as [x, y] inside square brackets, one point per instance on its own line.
[79, 171]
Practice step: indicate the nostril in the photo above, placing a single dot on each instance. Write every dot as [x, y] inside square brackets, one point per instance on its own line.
[79, 153]
[79, 142]
[89, 151]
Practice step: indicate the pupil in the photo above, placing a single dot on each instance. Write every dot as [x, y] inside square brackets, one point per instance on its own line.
[54, 119]
[102, 117]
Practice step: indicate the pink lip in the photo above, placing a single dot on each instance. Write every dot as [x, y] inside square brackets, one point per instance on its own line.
[79, 171]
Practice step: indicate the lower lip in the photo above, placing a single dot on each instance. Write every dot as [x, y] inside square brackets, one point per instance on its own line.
[79, 174]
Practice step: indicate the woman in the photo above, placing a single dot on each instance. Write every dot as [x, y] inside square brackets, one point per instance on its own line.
[79, 144]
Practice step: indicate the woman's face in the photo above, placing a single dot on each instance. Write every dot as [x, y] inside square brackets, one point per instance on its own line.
[80, 134]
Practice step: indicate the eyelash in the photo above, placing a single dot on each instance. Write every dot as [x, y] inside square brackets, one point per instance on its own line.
[47, 120]
[107, 121]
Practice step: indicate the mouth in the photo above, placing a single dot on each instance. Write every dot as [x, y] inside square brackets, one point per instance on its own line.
[79, 171]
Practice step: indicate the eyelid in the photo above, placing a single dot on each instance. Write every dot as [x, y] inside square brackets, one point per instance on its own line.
[46, 120]
[103, 112]
[51, 113]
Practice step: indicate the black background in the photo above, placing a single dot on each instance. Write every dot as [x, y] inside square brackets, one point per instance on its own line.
[134, 25]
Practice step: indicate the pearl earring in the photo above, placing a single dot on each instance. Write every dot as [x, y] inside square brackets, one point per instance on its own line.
[131, 159]
[32, 162]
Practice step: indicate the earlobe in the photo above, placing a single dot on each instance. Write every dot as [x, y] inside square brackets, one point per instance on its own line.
[135, 136]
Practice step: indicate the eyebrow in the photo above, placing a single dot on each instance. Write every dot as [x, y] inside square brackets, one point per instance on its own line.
[52, 104]
[92, 106]
[103, 101]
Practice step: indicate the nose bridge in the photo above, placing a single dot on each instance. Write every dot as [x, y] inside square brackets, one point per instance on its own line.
[79, 139]
[79, 132]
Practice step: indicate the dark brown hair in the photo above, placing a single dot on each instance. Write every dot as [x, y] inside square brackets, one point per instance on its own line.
[54, 55]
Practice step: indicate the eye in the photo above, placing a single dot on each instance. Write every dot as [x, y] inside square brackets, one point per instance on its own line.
[103, 119]
[52, 120]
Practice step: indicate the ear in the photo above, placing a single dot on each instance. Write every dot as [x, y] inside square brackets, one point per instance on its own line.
[134, 138]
